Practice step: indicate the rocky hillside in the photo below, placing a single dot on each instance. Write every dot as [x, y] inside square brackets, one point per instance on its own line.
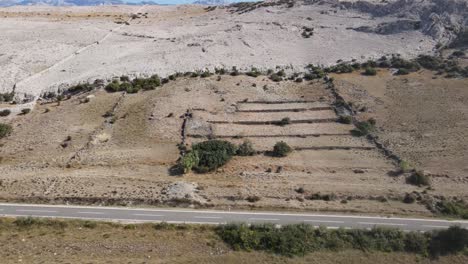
[444, 20]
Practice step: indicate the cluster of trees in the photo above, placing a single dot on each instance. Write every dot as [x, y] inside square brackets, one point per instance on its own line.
[135, 85]
[298, 240]
[434, 63]
[209, 155]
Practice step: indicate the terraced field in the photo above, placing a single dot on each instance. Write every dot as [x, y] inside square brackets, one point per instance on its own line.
[120, 149]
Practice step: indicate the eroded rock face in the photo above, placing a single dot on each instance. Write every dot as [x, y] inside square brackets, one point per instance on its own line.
[444, 20]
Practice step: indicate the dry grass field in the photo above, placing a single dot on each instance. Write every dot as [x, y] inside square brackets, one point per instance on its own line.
[81, 242]
[119, 148]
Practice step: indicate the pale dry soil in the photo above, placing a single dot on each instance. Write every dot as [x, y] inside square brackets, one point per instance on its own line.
[422, 117]
[111, 243]
[70, 152]
[50, 48]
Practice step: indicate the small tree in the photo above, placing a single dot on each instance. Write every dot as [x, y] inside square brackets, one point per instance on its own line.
[25, 111]
[281, 149]
[189, 161]
[213, 154]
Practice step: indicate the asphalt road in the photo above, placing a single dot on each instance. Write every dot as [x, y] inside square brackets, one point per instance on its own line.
[126, 214]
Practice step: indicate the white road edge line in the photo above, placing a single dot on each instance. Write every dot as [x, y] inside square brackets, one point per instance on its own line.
[435, 226]
[324, 221]
[36, 211]
[155, 215]
[370, 223]
[231, 212]
[207, 217]
[126, 220]
[263, 219]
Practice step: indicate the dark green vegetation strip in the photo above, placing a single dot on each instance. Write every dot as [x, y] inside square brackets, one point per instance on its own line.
[298, 240]
[289, 240]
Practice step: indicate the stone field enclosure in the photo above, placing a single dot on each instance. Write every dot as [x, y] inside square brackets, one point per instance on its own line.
[120, 148]
[120, 145]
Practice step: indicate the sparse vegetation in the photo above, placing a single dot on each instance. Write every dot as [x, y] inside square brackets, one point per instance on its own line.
[246, 149]
[284, 121]
[253, 199]
[370, 71]
[5, 112]
[281, 149]
[276, 78]
[254, 72]
[80, 88]
[363, 128]
[298, 240]
[453, 208]
[405, 166]
[345, 119]
[25, 111]
[5, 130]
[324, 197]
[418, 178]
[7, 97]
[189, 161]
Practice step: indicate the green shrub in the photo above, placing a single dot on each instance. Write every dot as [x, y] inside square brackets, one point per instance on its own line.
[298, 240]
[213, 154]
[345, 119]
[363, 128]
[429, 62]
[7, 97]
[246, 149]
[124, 78]
[418, 178]
[80, 88]
[234, 71]
[341, 68]
[220, 71]
[253, 199]
[276, 78]
[254, 72]
[409, 198]
[281, 149]
[205, 74]
[452, 240]
[284, 121]
[400, 63]
[5, 130]
[128, 87]
[324, 197]
[189, 161]
[113, 87]
[5, 112]
[453, 208]
[25, 111]
[370, 72]
[405, 166]
[147, 83]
